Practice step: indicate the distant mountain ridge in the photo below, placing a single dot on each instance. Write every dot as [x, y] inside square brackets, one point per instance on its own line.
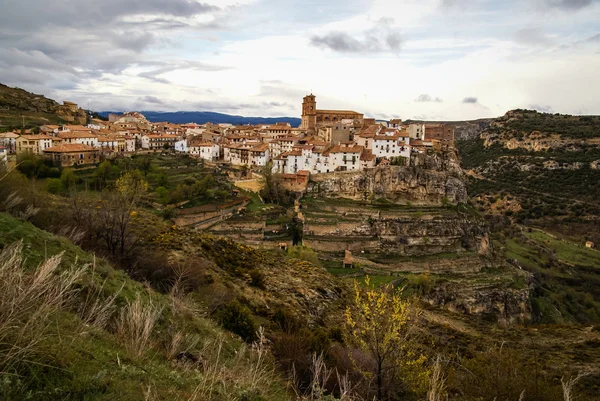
[203, 117]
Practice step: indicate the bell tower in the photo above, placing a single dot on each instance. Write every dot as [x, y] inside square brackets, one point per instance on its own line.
[309, 113]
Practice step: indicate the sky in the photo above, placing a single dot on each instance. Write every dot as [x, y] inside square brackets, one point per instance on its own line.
[409, 59]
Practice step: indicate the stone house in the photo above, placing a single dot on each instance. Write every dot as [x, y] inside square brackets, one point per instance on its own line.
[33, 144]
[70, 154]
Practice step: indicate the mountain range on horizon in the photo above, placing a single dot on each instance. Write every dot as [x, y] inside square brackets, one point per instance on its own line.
[203, 117]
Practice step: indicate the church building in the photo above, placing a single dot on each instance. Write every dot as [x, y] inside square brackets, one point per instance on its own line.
[313, 118]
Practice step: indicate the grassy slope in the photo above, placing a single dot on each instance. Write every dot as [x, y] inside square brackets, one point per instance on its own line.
[84, 362]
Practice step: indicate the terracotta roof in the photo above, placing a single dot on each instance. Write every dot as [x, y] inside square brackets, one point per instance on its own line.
[260, 148]
[201, 144]
[338, 112]
[387, 137]
[168, 136]
[367, 156]
[396, 121]
[346, 149]
[76, 134]
[75, 127]
[107, 139]
[36, 137]
[303, 172]
[9, 135]
[70, 147]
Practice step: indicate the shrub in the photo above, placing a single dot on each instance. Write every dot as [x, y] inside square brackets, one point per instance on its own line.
[237, 318]
[55, 185]
[304, 253]
[257, 279]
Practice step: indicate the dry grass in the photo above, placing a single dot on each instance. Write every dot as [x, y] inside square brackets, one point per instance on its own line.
[255, 185]
[96, 310]
[250, 372]
[28, 301]
[135, 325]
[437, 382]
[568, 386]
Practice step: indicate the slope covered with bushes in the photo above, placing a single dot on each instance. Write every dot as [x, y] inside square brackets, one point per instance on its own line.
[75, 328]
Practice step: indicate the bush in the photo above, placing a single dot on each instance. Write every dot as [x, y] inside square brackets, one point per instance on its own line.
[257, 279]
[304, 253]
[237, 318]
[54, 185]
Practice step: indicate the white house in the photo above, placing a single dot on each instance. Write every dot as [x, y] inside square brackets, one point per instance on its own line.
[130, 143]
[346, 157]
[80, 137]
[259, 155]
[204, 150]
[157, 142]
[181, 146]
[391, 145]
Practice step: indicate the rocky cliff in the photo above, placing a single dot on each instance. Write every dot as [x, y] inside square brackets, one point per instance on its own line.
[432, 178]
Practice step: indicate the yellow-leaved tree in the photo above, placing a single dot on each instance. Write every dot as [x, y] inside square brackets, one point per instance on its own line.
[383, 327]
[116, 214]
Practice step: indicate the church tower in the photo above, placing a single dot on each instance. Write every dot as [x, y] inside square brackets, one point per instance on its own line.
[309, 113]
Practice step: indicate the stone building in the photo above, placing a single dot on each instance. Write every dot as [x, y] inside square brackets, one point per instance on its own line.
[441, 132]
[70, 154]
[312, 117]
[33, 144]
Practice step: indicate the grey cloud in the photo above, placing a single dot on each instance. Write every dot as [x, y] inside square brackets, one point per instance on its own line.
[383, 37]
[593, 39]
[470, 100]
[542, 108]
[427, 98]
[567, 4]
[532, 37]
[89, 13]
[89, 38]
[152, 100]
[455, 3]
[164, 68]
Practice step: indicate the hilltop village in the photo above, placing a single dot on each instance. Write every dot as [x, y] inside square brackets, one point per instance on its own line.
[327, 141]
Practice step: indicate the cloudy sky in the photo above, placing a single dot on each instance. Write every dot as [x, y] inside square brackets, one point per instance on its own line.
[433, 59]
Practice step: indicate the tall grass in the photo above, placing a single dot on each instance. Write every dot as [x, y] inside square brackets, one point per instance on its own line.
[28, 301]
[136, 325]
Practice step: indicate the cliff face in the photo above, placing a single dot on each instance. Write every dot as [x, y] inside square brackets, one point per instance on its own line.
[429, 179]
[508, 305]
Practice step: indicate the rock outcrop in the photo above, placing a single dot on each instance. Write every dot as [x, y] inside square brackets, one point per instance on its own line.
[434, 178]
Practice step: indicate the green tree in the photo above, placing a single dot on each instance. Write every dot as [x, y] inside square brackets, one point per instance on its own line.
[68, 178]
[163, 195]
[102, 174]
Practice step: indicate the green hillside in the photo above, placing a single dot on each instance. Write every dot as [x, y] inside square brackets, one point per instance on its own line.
[89, 347]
